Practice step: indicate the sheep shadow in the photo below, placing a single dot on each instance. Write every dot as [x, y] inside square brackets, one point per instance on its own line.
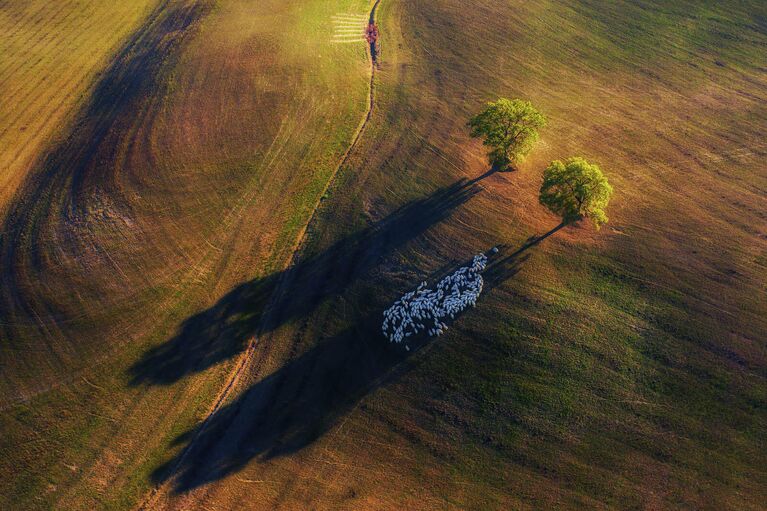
[221, 331]
[300, 402]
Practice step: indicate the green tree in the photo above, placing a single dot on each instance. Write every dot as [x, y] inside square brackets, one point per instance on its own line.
[509, 127]
[576, 189]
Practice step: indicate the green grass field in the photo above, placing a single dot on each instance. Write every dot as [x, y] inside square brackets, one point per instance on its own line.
[162, 347]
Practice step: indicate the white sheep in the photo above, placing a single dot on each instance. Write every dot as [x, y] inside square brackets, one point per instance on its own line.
[453, 294]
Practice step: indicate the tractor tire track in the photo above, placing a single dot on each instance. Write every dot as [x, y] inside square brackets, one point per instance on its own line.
[46, 202]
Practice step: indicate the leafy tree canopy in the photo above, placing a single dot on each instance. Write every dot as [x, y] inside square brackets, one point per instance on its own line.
[509, 127]
[576, 189]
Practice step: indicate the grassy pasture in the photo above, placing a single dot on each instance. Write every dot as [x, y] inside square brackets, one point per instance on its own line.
[623, 369]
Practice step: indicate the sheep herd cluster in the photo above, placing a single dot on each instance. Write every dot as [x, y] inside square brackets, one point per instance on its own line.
[424, 308]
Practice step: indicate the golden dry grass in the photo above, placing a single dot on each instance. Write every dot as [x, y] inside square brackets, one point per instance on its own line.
[50, 54]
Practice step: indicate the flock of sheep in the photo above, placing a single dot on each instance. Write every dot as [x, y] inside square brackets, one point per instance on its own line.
[425, 308]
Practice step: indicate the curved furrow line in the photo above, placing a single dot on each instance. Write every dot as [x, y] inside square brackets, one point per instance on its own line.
[46, 204]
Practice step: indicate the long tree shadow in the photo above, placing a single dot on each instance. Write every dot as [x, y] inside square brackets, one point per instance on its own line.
[222, 331]
[300, 402]
[288, 409]
[505, 262]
